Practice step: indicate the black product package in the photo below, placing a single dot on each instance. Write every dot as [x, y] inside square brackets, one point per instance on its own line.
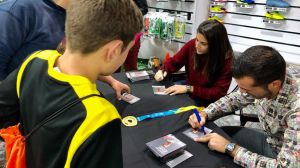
[166, 147]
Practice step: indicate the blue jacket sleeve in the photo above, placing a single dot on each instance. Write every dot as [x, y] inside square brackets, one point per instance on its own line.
[12, 35]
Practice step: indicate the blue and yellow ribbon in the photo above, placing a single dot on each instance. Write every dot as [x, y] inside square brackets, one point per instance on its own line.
[162, 114]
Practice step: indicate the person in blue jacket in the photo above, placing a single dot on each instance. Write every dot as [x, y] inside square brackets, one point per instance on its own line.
[31, 25]
[28, 26]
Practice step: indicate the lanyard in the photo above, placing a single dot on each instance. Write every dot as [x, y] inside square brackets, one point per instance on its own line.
[132, 121]
[168, 112]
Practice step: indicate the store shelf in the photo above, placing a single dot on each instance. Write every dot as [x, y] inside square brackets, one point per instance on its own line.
[260, 10]
[265, 35]
[290, 53]
[179, 6]
[257, 21]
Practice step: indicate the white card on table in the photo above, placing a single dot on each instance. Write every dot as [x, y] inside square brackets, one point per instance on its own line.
[129, 98]
[159, 90]
[179, 159]
[191, 133]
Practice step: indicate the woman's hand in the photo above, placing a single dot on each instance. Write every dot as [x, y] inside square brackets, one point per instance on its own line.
[176, 89]
[160, 75]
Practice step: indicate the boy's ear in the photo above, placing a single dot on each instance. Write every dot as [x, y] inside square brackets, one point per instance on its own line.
[114, 48]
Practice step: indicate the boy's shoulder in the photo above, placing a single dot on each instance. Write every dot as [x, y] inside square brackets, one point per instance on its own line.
[42, 54]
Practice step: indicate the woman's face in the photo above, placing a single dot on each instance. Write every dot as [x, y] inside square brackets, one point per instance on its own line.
[201, 44]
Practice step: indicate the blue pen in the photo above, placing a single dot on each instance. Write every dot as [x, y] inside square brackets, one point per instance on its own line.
[199, 120]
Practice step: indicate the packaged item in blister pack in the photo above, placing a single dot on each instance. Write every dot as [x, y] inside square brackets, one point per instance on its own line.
[166, 147]
[179, 27]
[167, 28]
[164, 25]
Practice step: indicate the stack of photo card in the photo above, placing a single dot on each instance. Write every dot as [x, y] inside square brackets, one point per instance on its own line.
[135, 76]
[167, 147]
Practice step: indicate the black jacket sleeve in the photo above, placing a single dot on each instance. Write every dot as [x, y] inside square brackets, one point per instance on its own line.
[102, 149]
[143, 5]
[9, 101]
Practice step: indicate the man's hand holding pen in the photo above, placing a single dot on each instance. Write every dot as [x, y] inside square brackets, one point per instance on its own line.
[193, 120]
[215, 142]
[199, 121]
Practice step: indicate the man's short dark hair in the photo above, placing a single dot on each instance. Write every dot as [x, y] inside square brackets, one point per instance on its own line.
[264, 64]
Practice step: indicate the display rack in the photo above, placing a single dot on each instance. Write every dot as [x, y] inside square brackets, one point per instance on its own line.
[248, 27]
[158, 47]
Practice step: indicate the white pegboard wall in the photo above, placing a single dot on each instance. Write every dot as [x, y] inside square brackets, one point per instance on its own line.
[246, 28]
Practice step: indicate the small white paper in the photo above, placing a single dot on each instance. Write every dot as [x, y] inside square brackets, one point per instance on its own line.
[179, 159]
[159, 90]
[191, 133]
[129, 98]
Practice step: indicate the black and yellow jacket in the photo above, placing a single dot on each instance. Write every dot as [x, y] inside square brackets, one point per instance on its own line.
[85, 135]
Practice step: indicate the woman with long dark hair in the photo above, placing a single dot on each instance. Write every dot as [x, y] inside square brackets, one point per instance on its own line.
[207, 60]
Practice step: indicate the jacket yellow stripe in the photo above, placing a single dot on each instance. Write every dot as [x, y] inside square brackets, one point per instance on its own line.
[98, 110]
[98, 113]
[45, 55]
